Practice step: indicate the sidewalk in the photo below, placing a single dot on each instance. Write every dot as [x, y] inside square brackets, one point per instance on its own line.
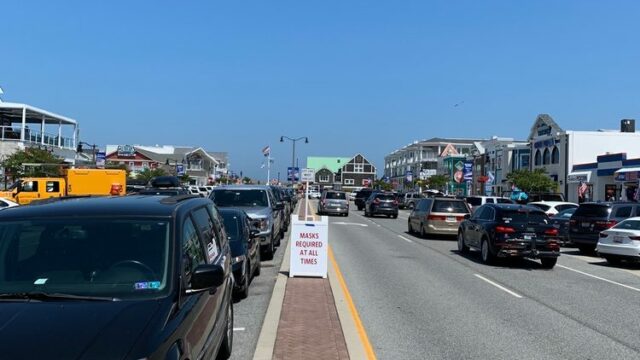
[309, 318]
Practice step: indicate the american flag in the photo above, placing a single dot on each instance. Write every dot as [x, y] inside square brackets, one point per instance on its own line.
[266, 151]
[582, 189]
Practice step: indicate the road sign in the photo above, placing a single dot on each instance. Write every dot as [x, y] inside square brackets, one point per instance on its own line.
[293, 173]
[180, 169]
[459, 165]
[101, 157]
[309, 247]
[308, 175]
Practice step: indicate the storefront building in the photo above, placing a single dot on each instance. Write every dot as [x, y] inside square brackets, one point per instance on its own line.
[612, 177]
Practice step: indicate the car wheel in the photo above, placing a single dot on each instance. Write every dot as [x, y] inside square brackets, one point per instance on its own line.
[268, 252]
[243, 293]
[409, 227]
[548, 263]
[411, 206]
[462, 247]
[423, 234]
[613, 260]
[227, 342]
[360, 208]
[485, 252]
[395, 216]
[258, 266]
[586, 249]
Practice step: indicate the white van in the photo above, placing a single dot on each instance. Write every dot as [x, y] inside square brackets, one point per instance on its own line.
[476, 201]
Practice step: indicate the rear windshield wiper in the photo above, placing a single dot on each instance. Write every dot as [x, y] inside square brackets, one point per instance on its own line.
[54, 296]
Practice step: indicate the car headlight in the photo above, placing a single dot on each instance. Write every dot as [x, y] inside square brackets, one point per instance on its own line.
[237, 259]
[263, 224]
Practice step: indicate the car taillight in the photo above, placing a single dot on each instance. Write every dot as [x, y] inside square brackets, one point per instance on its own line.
[551, 232]
[603, 235]
[505, 230]
[324, 202]
[376, 201]
[606, 224]
[550, 214]
[436, 217]
[395, 202]
[573, 222]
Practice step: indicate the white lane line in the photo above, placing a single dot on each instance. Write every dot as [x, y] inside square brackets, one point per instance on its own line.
[239, 329]
[498, 286]
[405, 239]
[600, 278]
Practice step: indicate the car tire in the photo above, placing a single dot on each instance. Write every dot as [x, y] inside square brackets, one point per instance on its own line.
[227, 342]
[411, 206]
[360, 208]
[586, 249]
[462, 247]
[409, 227]
[485, 252]
[268, 252]
[548, 263]
[258, 269]
[423, 234]
[395, 216]
[243, 293]
[612, 260]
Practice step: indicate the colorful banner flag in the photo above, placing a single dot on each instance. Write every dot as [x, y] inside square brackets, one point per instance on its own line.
[266, 151]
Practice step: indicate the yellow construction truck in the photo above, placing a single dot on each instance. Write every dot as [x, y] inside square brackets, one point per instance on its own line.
[73, 182]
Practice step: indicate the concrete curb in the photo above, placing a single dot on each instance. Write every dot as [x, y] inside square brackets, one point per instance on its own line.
[269, 331]
[349, 328]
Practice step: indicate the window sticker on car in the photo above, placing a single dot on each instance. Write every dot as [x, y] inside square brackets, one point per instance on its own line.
[147, 285]
[212, 251]
[40, 281]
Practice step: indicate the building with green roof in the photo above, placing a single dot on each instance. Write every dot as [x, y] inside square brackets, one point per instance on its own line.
[324, 162]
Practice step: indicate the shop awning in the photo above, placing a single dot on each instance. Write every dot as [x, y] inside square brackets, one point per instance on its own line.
[578, 176]
[627, 174]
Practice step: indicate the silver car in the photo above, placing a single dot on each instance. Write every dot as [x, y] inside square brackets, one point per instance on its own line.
[333, 202]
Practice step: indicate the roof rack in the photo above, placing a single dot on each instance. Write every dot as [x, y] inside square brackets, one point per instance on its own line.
[178, 198]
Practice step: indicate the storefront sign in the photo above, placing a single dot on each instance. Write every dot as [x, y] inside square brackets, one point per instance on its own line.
[308, 175]
[577, 178]
[100, 159]
[468, 171]
[309, 244]
[627, 176]
[126, 151]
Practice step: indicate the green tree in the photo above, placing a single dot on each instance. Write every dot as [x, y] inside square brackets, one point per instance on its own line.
[15, 168]
[148, 174]
[532, 181]
[184, 178]
[246, 180]
[437, 182]
[382, 185]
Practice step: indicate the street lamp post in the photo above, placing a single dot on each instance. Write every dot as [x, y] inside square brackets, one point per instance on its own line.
[293, 155]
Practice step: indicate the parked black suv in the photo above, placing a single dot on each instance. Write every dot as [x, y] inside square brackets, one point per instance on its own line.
[591, 218]
[135, 277]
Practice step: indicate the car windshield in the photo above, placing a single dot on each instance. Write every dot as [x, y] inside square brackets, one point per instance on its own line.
[385, 197]
[524, 217]
[593, 210]
[628, 225]
[336, 195]
[450, 206]
[105, 257]
[251, 198]
[566, 213]
[474, 201]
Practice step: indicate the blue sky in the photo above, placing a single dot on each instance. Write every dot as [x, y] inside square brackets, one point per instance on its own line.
[353, 76]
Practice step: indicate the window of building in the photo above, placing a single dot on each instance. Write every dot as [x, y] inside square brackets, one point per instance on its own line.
[538, 158]
[324, 178]
[555, 155]
[358, 168]
[546, 158]
[348, 181]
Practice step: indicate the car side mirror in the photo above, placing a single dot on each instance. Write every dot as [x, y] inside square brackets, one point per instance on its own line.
[205, 277]
[467, 216]
[253, 233]
[279, 205]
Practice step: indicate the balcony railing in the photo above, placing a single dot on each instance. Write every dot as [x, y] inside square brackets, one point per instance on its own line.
[10, 133]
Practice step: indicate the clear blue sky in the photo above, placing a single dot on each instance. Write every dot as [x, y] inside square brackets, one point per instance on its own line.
[354, 76]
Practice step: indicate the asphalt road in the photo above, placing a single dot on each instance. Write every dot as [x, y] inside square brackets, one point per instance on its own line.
[419, 299]
[250, 312]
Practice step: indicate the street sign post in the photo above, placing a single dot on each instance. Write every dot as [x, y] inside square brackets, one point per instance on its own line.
[308, 175]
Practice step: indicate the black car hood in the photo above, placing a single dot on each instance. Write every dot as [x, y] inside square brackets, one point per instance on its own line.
[72, 330]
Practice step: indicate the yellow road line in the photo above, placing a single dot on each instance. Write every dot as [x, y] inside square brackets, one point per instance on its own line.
[354, 312]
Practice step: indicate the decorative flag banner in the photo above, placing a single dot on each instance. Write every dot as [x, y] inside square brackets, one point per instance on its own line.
[266, 150]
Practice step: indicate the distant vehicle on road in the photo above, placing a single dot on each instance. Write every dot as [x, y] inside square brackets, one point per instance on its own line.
[333, 202]
[409, 200]
[381, 203]
[621, 242]
[553, 207]
[6, 203]
[502, 230]
[591, 218]
[437, 216]
[164, 185]
[361, 196]
[479, 200]
[561, 222]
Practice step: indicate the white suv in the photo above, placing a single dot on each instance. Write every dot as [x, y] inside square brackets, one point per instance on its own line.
[476, 201]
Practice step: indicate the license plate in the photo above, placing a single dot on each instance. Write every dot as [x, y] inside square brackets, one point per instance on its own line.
[618, 239]
[529, 236]
[585, 225]
[451, 219]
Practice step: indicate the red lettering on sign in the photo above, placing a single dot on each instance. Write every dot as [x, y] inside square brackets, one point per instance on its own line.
[314, 236]
[304, 261]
